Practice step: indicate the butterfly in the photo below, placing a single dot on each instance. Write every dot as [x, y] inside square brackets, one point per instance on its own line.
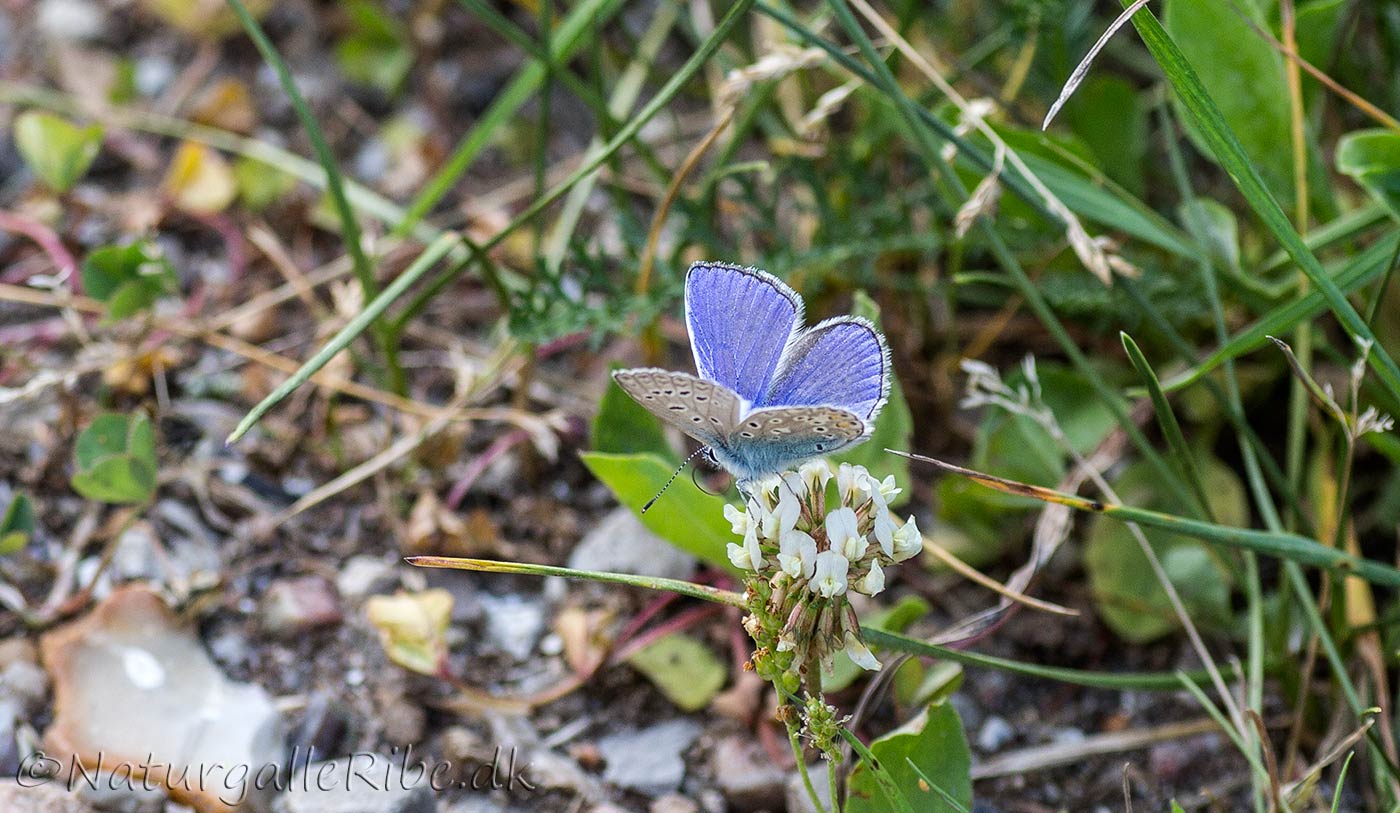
[770, 393]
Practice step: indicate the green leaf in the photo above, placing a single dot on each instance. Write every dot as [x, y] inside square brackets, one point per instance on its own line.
[934, 742]
[624, 426]
[261, 184]
[115, 458]
[16, 525]
[685, 516]
[894, 427]
[1129, 597]
[1106, 114]
[58, 151]
[1372, 159]
[128, 278]
[1244, 75]
[683, 668]
[377, 51]
[1221, 231]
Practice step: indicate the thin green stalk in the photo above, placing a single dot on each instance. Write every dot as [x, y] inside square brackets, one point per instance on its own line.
[802, 769]
[678, 586]
[335, 186]
[1166, 420]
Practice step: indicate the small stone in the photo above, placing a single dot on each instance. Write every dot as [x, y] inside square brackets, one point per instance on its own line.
[356, 785]
[322, 728]
[404, 722]
[746, 776]
[16, 798]
[798, 799]
[514, 623]
[113, 793]
[71, 20]
[993, 734]
[620, 543]
[674, 803]
[362, 576]
[26, 683]
[136, 557]
[291, 607]
[650, 759]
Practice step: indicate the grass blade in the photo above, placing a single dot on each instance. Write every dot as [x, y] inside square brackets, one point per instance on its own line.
[685, 588]
[335, 183]
[425, 261]
[1166, 419]
[1280, 544]
[1227, 150]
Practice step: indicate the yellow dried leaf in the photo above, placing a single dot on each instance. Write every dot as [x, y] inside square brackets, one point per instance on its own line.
[413, 628]
[199, 180]
[228, 105]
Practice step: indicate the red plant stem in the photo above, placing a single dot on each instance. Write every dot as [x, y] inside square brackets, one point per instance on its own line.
[49, 241]
[676, 623]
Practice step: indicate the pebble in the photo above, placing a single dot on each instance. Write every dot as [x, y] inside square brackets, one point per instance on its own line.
[514, 623]
[674, 803]
[71, 20]
[798, 800]
[291, 607]
[42, 799]
[355, 785]
[746, 776]
[649, 759]
[322, 729]
[26, 683]
[993, 734]
[620, 543]
[362, 576]
[113, 793]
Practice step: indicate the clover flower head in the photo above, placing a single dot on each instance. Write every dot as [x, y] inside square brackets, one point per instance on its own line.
[806, 547]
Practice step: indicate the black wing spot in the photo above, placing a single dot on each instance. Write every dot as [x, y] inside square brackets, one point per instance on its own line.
[676, 407]
[714, 420]
[819, 428]
[745, 434]
[695, 418]
[702, 397]
[821, 447]
[753, 424]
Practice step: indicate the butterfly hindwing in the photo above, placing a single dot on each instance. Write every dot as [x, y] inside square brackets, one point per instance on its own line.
[702, 409]
[842, 362]
[770, 440]
[740, 321]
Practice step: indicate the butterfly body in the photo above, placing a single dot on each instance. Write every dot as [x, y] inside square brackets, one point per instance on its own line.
[770, 393]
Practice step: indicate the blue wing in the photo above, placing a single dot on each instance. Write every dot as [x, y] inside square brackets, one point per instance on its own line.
[842, 362]
[740, 320]
[767, 441]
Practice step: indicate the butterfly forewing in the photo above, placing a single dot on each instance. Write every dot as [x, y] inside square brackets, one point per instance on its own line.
[740, 321]
[702, 409]
[841, 362]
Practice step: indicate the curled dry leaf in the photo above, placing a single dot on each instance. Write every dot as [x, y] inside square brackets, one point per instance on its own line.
[413, 628]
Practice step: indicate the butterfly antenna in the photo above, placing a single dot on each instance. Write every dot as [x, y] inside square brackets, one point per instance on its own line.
[673, 477]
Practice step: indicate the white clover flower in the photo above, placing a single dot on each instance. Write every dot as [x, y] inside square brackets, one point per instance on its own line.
[749, 556]
[829, 576]
[874, 581]
[797, 554]
[783, 517]
[908, 542]
[849, 479]
[843, 533]
[884, 530]
[738, 520]
[860, 653]
[815, 474]
[888, 489]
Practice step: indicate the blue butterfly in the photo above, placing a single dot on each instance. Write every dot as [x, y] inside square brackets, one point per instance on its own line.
[771, 393]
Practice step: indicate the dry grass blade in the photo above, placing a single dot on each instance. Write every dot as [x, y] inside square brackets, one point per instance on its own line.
[1053, 755]
[974, 575]
[1081, 70]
